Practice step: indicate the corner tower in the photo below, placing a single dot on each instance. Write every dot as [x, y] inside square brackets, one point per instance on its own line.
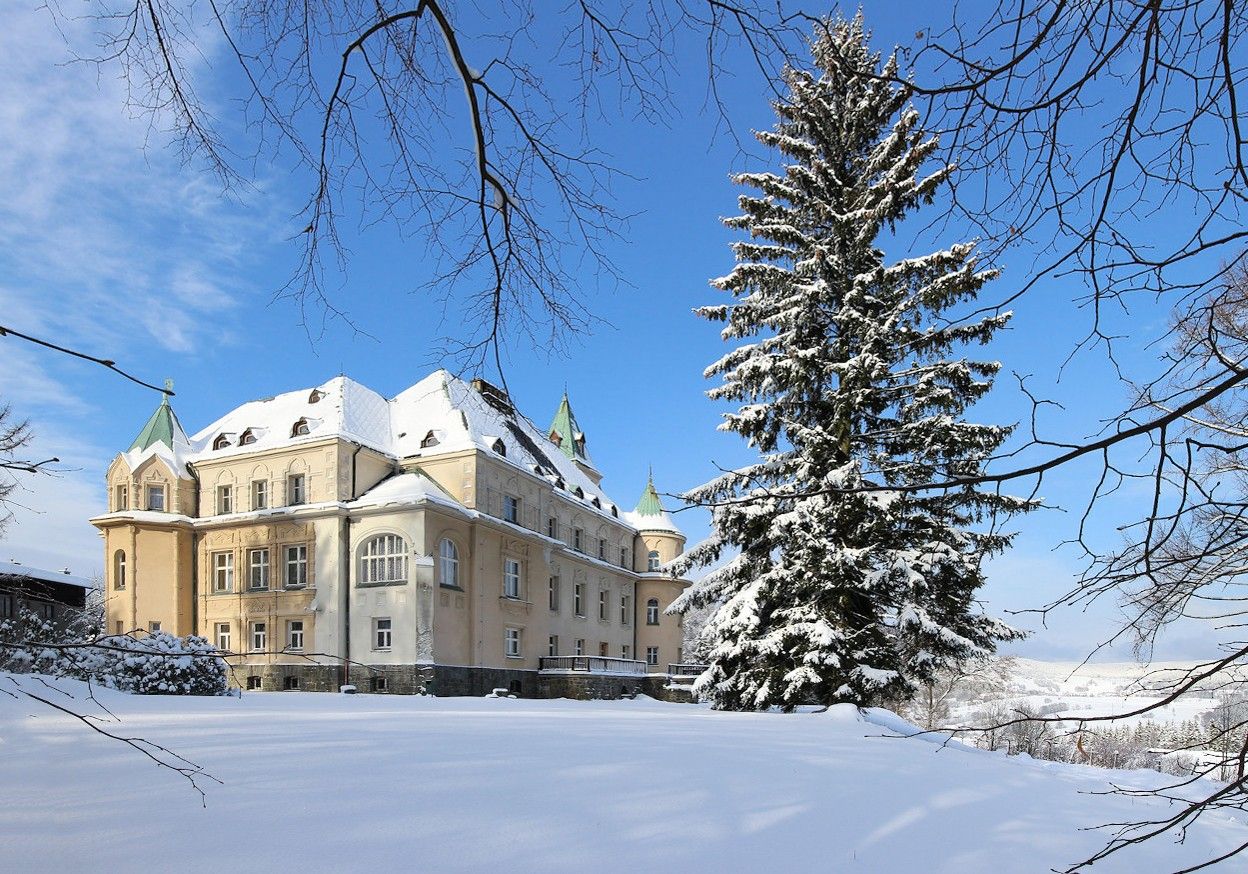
[151, 496]
[660, 637]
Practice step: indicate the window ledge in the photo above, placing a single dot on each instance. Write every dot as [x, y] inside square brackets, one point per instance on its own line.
[381, 584]
[452, 588]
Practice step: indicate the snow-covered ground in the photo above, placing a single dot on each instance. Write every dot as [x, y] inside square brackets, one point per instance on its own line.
[323, 782]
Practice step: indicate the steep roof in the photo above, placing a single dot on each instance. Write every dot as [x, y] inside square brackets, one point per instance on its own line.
[570, 438]
[161, 437]
[649, 514]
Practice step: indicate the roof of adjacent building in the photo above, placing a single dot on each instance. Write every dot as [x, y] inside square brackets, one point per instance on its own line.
[440, 414]
[17, 569]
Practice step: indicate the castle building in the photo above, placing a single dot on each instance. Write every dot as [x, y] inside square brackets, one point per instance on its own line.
[436, 540]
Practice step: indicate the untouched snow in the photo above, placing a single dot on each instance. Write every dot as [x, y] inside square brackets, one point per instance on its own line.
[324, 782]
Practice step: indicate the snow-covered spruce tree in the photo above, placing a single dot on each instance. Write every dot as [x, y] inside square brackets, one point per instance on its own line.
[846, 377]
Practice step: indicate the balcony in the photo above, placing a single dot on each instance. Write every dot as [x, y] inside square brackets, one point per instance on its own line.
[592, 665]
[684, 670]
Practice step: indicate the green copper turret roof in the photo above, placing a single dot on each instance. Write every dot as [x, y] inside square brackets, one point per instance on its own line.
[571, 440]
[649, 504]
[162, 427]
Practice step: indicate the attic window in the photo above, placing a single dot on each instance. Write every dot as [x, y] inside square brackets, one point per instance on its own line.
[300, 428]
[579, 492]
[247, 439]
[316, 395]
[559, 483]
[431, 439]
[221, 442]
[555, 438]
[500, 447]
[615, 511]
[597, 503]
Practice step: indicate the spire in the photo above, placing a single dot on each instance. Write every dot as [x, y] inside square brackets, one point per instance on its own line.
[566, 433]
[649, 504]
[162, 427]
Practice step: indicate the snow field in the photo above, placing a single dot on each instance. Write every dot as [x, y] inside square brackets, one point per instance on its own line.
[322, 782]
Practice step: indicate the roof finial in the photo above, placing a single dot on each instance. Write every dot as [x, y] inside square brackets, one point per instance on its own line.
[168, 389]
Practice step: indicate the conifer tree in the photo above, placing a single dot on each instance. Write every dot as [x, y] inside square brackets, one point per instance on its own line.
[845, 378]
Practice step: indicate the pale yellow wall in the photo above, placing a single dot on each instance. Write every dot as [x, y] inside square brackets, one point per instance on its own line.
[667, 635]
[158, 561]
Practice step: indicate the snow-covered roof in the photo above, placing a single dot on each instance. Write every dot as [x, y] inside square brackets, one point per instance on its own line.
[162, 437]
[405, 488]
[649, 514]
[17, 569]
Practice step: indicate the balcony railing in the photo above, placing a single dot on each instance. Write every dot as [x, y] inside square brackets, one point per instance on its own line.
[592, 665]
[684, 670]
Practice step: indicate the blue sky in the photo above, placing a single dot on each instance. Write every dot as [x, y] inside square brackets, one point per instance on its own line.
[111, 245]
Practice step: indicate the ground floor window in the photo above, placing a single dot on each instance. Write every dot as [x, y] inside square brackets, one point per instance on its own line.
[553, 648]
[223, 636]
[512, 643]
[259, 637]
[294, 635]
[154, 626]
[602, 649]
[290, 683]
[580, 646]
[253, 682]
[381, 633]
[652, 655]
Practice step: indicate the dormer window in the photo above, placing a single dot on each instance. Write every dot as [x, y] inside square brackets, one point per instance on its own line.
[615, 511]
[597, 503]
[316, 396]
[247, 438]
[500, 447]
[221, 442]
[579, 492]
[431, 440]
[556, 438]
[299, 429]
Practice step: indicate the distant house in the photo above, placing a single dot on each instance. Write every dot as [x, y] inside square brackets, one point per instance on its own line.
[55, 596]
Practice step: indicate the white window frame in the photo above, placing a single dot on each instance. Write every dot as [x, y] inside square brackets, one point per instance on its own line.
[258, 569]
[602, 605]
[383, 633]
[552, 645]
[259, 494]
[624, 608]
[512, 578]
[156, 498]
[296, 489]
[552, 597]
[624, 650]
[225, 499]
[121, 497]
[511, 642]
[623, 556]
[222, 633]
[383, 560]
[578, 599]
[652, 611]
[602, 549]
[259, 636]
[448, 563]
[298, 563]
[578, 538]
[652, 561]
[552, 527]
[294, 635]
[511, 509]
[222, 572]
[603, 650]
[119, 570]
[580, 646]
[652, 656]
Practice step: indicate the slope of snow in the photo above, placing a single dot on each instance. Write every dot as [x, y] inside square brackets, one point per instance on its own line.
[323, 782]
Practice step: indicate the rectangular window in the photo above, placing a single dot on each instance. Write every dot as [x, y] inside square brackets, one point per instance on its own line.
[512, 641]
[602, 649]
[511, 508]
[577, 537]
[156, 498]
[602, 548]
[290, 683]
[554, 593]
[153, 627]
[296, 492]
[225, 499]
[578, 599]
[253, 682]
[259, 637]
[625, 608]
[625, 651]
[6, 606]
[652, 655]
[602, 604]
[296, 566]
[623, 557]
[260, 494]
[118, 627]
[377, 684]
[294, 635]
[257, 569]
[580, 646]
[121, 498]
[511, 578]
[223, 636]
[381, 634]
[223, 571]
[552, 528]
[552, 646]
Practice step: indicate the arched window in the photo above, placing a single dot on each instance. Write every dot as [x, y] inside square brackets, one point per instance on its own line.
[247, 439]
[652, 560]
[579, 492]
[221, 442]
[597, 503]
[431, 439]
[300, 428]
[652, 611]
[384, 560]
[316, 395]
[119, 569]
[448, 555]
[500, 447]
